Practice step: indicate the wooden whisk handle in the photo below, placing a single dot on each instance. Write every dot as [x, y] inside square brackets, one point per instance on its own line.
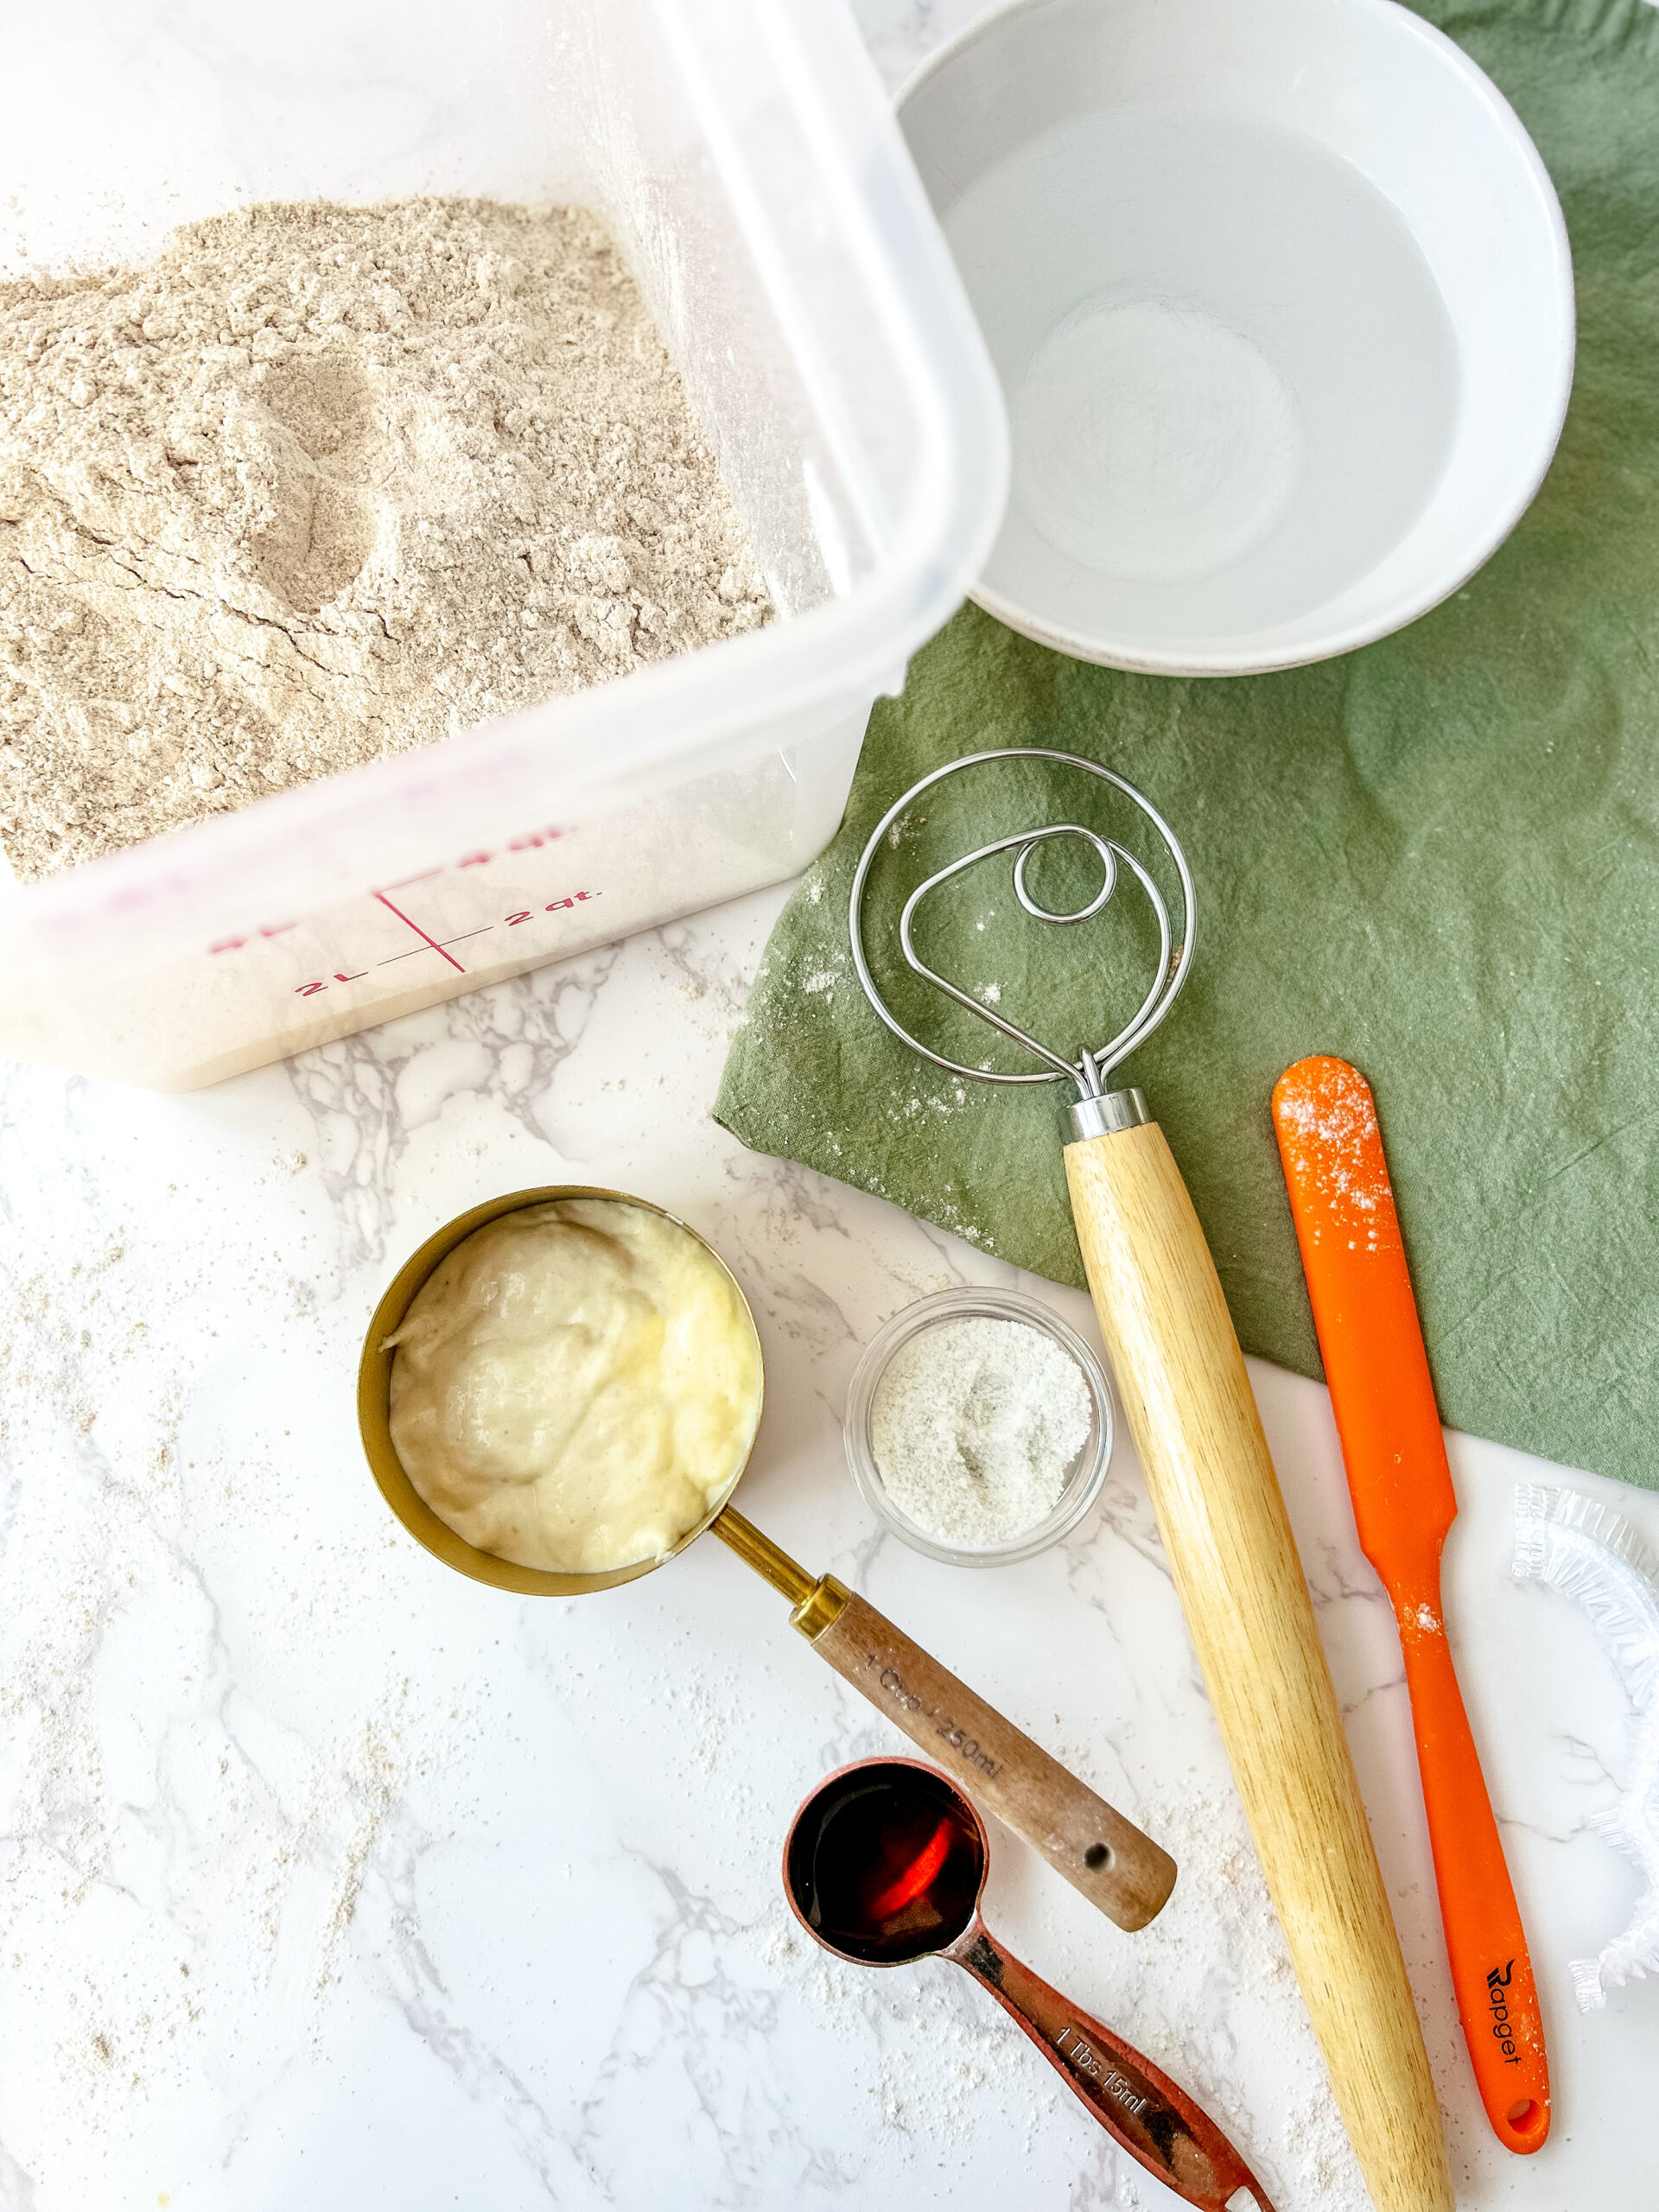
[1241, 1585]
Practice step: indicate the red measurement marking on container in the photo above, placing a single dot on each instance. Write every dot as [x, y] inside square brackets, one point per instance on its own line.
[531, 840]
[311, 990]
[421, 933]
[236, 944]
[435, 945]
[439, 945]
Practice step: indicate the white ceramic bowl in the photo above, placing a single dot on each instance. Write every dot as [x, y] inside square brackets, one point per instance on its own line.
[1281, 298]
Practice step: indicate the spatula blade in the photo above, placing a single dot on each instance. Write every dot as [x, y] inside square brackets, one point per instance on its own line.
[1370, 1338]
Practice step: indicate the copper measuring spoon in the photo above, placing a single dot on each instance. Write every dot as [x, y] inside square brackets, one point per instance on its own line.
[885, 1864]
[1115, 1865]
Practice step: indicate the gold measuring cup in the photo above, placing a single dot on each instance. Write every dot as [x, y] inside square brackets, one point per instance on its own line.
[1100, 1852]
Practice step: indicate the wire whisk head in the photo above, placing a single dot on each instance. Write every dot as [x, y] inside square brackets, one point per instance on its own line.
[1090, 1068]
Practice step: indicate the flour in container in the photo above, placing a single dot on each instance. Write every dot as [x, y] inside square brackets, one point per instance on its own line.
[323, 484]
[975, 1426]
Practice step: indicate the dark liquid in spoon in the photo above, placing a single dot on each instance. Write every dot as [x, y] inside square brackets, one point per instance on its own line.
[886, 1865]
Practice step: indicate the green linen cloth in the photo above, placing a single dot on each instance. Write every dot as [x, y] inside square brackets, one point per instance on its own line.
[1438, 857]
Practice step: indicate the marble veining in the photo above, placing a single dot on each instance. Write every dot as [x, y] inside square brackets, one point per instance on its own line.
[330, 1880]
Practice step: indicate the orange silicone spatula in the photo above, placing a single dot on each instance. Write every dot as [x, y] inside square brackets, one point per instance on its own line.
[1372, 1346]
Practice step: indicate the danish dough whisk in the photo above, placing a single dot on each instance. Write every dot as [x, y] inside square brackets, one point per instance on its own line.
[1195, 1424]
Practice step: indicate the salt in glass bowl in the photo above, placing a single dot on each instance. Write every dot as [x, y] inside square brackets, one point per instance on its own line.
[1086, 1477]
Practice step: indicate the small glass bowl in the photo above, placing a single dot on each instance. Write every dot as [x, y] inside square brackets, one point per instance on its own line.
[1083, 1484]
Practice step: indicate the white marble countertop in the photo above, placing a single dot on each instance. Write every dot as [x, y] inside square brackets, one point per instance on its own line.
[330, 1880]
[333, 1880]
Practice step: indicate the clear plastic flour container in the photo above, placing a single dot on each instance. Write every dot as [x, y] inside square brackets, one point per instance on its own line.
[743, 153]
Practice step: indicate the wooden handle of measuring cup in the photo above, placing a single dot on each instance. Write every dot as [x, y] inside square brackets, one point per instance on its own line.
[1242, 1588]
[1100, 1852]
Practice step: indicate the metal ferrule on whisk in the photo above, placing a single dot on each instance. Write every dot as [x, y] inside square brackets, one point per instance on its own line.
[1107, 1112]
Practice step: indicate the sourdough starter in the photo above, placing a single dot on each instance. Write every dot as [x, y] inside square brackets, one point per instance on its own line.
[576, 1386]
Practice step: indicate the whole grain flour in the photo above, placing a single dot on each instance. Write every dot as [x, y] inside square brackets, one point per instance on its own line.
[323, 484]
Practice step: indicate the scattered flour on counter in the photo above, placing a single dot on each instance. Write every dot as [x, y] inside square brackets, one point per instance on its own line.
[1212, 1973]
[975, 1426]
[1206, 1991]
[361, 1798]
[190, 1838]
[940, 2047]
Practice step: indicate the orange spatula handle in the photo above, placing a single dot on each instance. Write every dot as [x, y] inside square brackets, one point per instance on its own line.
[1382, 1396]
[1492, 1973]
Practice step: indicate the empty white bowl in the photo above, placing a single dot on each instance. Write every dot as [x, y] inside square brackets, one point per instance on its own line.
[1281, 298]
